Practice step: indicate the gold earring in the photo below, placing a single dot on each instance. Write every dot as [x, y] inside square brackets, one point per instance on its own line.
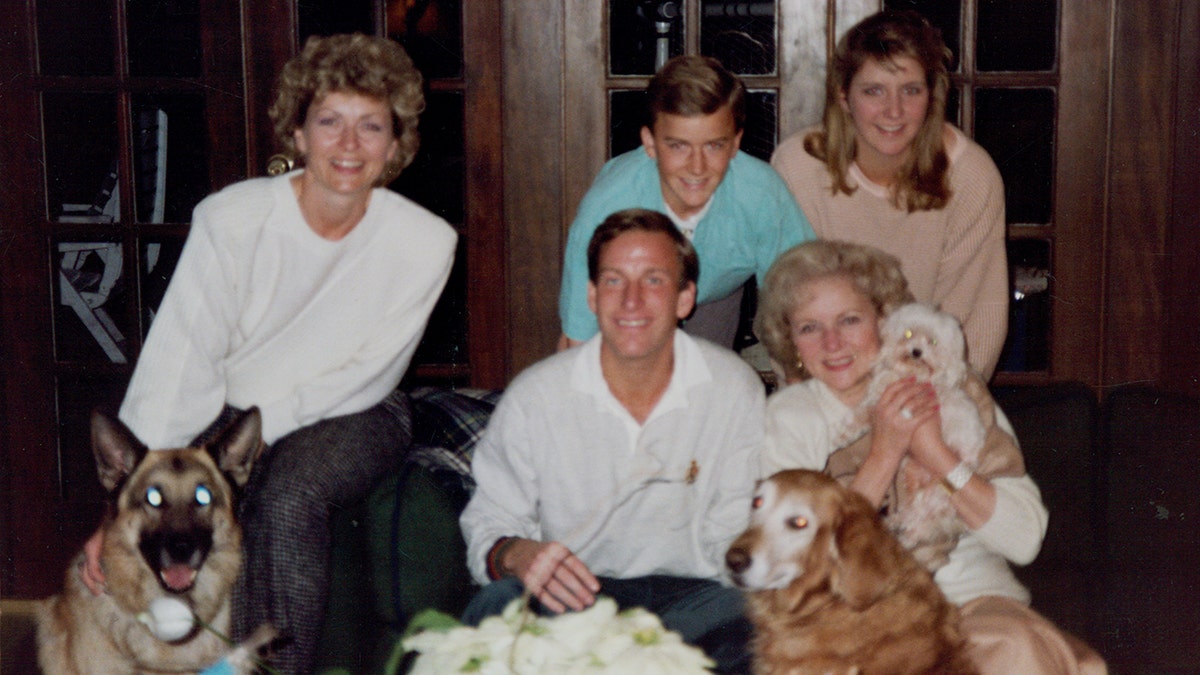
[800, 365]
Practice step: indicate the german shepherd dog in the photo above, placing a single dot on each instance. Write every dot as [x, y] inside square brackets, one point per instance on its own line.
[169, 531]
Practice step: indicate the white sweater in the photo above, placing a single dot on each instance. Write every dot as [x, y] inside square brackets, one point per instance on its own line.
[801, 424]
[263, 311]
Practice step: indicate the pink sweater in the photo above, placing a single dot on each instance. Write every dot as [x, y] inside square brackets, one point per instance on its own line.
[953, 257]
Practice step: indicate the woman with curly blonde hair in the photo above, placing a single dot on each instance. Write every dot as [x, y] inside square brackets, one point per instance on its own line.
[819, 316]
[368, 66]
[886, 169]
[873, 273]
[304, 294]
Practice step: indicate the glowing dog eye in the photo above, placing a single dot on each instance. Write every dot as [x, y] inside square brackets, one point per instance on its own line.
[798, 523]
[933, 342]
[203, 495]
[154, 497]
[908, 334]
[756, 503]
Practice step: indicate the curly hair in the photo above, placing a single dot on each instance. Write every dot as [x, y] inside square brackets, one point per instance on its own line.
[921, 183]
[873, 273]
[691, 85]
[368, 66]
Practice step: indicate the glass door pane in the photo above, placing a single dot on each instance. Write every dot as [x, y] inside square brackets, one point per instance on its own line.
[431, 32]
[80, 145]
[92, 321]
[164, 38]
[1016, 126]
[326, 17]
[171, 151]
[1017, 35]
[77, 37]
[740, 35]
[1027, 348]
[945, 15]
[643, 34]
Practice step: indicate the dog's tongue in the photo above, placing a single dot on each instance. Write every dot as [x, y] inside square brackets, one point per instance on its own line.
[178, 577]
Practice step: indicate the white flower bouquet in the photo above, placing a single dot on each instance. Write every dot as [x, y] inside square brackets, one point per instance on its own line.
[600, 639]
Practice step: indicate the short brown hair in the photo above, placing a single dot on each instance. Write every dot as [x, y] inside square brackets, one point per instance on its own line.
[642, 220]
[692, 85]
[874, 273]
[370, 66]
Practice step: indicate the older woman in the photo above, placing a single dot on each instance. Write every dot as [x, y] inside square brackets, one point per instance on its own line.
[887, 170]
[304, 294]
[819, 314]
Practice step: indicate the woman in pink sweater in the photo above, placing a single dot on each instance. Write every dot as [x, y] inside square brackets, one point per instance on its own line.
[886, 169]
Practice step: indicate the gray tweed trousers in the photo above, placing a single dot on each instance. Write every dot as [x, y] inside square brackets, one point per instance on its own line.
[285, 511]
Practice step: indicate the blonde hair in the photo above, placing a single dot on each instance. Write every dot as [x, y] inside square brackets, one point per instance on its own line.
[368, 66]
[872, 272]
[920, 184]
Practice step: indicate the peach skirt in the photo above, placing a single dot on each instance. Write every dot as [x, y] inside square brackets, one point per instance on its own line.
[1008, 637]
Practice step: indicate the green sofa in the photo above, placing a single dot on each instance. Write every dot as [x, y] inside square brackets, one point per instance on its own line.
[400, 550]
[1120, 566]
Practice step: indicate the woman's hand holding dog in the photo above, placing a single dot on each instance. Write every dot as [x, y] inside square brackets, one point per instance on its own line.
[904, 407]
[976, 501]
[91, 572]
[907, 422]
[551, 573]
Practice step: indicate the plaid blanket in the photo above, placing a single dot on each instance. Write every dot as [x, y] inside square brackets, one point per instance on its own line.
[447, 423]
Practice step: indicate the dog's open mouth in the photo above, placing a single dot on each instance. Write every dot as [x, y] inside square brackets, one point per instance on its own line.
[177, 557]
[178, 577]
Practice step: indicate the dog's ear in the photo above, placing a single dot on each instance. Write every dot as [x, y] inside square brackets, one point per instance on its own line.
[816, 568]
[239, 445]
[116, 449]
[863, 569]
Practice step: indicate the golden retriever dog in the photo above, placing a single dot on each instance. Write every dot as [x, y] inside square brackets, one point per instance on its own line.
[169, 533]
[829, 590]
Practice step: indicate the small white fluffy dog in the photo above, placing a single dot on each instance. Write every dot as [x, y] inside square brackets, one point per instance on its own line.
[917, 340]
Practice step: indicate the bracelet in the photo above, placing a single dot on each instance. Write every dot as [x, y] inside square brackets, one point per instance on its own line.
[493, 556]
[958, 478]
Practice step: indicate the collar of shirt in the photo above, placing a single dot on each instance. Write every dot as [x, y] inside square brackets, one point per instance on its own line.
[588, 378]
[688, 225]
[859, 179]
[830, 405]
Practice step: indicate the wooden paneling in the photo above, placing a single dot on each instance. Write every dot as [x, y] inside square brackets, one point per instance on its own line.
[533, 175]
[1145, 73]
[585, 103]
[1181, 353]
[488, 314]
[1081, 186]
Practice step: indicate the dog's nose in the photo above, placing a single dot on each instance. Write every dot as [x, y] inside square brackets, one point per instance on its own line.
[737, 559]
[916, 352]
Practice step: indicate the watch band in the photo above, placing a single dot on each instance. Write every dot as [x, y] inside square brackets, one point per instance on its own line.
[958, 477]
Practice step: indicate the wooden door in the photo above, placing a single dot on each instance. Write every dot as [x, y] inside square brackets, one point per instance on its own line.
[117, 117]
[120, 117]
